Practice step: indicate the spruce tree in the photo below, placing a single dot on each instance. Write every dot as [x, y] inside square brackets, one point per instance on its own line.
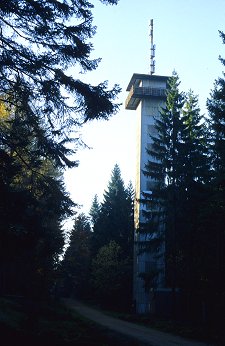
[164, 169]
[216, 108]
[179, 170]
[196, 176]
[112, 243]
[76, 263]
[215, 215]
[95, 210]
[195, 140]
[36, 75]
[33, 206]
[114, 221]
[130, 215]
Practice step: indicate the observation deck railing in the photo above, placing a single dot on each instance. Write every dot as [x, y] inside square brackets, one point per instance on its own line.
[136, 93]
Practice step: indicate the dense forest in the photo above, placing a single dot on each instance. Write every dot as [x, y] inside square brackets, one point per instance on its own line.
[42, 106]
[185, 211]
[98, 263]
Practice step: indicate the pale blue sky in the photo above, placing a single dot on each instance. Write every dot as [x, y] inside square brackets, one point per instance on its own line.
[187, 40]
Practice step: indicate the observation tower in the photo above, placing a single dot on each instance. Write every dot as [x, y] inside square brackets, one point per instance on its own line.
[147, 93]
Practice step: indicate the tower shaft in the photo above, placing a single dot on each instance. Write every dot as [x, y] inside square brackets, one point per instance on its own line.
[147, 93]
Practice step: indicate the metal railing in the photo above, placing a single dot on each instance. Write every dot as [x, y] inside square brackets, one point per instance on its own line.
[140, 92]
[148, 91]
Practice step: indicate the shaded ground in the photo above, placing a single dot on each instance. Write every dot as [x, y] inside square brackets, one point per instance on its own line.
[146, 336]
[30, 323]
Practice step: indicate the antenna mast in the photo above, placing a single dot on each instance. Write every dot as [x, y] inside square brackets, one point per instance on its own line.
[152, 55]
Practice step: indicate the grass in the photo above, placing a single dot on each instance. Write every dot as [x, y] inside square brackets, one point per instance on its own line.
[28, 323]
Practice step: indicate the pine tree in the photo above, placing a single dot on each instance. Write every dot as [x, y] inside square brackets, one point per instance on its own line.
[36, 75]
[112, 244]
[215, 215]
[130, 214]
[76, 263]
[95, 210]
[216, 108]
[165, 170]
[179, 170]
[196, 176]
[32, 207]
[195, 139]
[114, 221]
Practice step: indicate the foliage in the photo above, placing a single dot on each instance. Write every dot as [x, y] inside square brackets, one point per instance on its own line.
[95, 265]
[95, 210]
[178, 169]
[216, 108]
[112, 243]
[42, 104]
[115, 219]
[214, 212]
[186, 202]
[76, 263]
[36, 75]
[32, 207]
[111, 278]
[164, 172]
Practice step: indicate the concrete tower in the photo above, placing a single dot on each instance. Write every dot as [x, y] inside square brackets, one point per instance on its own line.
[147, 93]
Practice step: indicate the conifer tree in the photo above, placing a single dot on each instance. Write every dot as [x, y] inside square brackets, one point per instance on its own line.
[32, 207]
[76, 262]
[216, 108]
[130, 213]
[165, 170]
[114, 221]
[195, 142]
[215, 215]
[178, 168]
[95, 210]
[193, 190]
[112, 243]
[36, 75]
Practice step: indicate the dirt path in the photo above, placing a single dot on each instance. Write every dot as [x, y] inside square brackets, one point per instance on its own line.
[146, 335]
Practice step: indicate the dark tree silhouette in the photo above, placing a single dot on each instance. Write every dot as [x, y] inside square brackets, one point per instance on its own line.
[179, 170]
[76, 263]
[35, 69]
[115, 220]
[215, 209]
[33, 205]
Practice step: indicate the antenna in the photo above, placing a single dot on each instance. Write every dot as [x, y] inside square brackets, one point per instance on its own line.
[152, 49]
